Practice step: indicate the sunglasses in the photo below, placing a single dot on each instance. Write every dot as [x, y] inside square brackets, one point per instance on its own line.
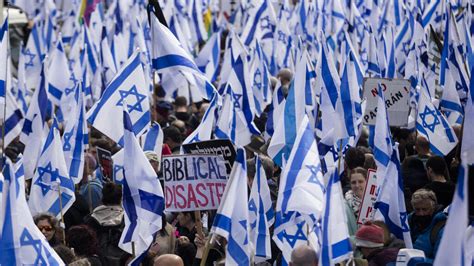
[45, 228]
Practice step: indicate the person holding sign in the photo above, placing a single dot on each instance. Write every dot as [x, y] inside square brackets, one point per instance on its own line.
[358, 181]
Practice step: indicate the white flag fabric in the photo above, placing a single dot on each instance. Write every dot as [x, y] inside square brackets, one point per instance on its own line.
[261, 214]
[204, 130]
[143, 199]
[59, 79]
[231, 221]
[51, 180]
[128, 87]
[152, 140]
[21, 243]
[4, 62]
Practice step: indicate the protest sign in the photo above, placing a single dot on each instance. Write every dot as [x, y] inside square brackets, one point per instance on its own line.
[367, 212]
[397, 95]
[221, 147]
[104, 157]
[193, 182]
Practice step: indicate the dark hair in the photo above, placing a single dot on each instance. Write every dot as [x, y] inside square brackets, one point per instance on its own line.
[58, 231]
[191, 213]
[187, 252]
[354, 158]
[181, 101]
[173, 133]
[64, 253]
[111, 194]
[359, 170]
[438, 166]
[83, 239]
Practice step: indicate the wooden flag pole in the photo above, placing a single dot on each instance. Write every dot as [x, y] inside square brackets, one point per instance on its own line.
[62, 214]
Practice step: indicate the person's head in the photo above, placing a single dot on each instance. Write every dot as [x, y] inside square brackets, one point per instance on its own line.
[65, 253]
[186, 251]
[358, 180]
[202, 110]
[168, 260]
[369, 162]
[111, 194]
[424, 202]
[47, 224]
[285, 76]
[436, 167]
[154, 160]
[422, 145]
[186, 219]
[172, 136]
[368, 238]
[304, 255]
[82, 239]
[354, 158]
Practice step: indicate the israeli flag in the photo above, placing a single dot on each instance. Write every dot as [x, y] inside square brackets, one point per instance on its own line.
[34, 56]
[450, 103]
[453, 249]
[22, 242]
[383, 145]
[431, 124]
[208, 58]
[128, 87]
[35, 129]
[301, 182]
[3, 59]
[261, 214]
[206, 126]
[143, 199]
[275, 110]
[119, 173]
[51, 179]
[232, 217]
[198, 30]
[108, 62]
[75, 137]
[467, 146]
[260, 24]
[59, 82]
[169, 56]
[261, 85]
[152, 140]
[336, 246]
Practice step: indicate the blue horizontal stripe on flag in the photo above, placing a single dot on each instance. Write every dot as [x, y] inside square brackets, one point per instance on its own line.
[172, 60]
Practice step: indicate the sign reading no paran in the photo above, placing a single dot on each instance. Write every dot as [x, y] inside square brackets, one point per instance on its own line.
[397, 95]
[193, 182]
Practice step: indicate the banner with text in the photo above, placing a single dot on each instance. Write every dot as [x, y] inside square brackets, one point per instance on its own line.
[397, 95]
[193, 182]
[367, 210]
[222, 147]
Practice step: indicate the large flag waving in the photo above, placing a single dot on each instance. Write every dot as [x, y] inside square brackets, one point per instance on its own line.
[128, 87]
[231, 221]
[51, 180]
[143, 200]
[22, 242]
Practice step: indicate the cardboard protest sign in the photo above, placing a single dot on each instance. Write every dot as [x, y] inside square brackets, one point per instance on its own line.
[104, 158]
[193, 182]
[367, 210]
[221, 147]
[397, 95]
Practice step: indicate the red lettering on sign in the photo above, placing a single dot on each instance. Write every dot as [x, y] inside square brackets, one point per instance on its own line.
[199, 190]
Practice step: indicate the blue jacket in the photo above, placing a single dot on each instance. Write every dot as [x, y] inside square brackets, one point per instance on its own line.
[422, 238]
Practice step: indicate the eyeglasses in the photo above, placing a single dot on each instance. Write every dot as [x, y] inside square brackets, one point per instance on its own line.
[45, 228]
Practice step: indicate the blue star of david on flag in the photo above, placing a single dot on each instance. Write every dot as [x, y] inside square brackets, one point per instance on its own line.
[257, 79]
[31, 57]
[265, 23]
[282, 36]
[314, 176]
[427, 113]
[67, 140]
[124, 95]
[236, 100]
[252, 206]
[27, 240]
[299, 235]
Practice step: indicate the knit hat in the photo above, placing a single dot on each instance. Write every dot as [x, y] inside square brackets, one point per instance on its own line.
[369, 236]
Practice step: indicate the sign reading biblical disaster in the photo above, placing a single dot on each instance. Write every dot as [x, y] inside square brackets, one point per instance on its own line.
[396, 93]
[194, 182]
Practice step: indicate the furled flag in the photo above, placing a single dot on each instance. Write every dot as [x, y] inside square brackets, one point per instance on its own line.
[261, 214]
[431, 124]
[260, 24]
[52, 190]
[390, 203]
[206, 126]
[22, 242]
[3, 59]
[301, 183]
[336, 246]
[198, 31]
[452, 248]
[35, 128]
[261, 80]
[208, 58]
[169, 56]
[59, 79]
[143, 200]
[128, 87]
[75, 137]
[152, 140]
[231, 220]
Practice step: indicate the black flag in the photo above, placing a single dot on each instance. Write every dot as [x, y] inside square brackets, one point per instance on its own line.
[154, 6]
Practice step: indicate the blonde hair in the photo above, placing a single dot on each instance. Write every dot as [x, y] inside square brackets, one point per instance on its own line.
[423, 194]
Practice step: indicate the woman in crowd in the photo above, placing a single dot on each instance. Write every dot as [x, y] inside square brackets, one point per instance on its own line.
[354, 197]
[83, 240]
[49, 226]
